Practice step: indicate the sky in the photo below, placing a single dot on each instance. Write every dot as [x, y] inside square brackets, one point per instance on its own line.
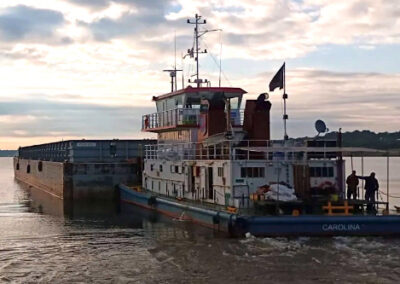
[74, 69]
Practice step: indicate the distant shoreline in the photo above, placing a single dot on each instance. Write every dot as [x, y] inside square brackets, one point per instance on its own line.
[8, 153]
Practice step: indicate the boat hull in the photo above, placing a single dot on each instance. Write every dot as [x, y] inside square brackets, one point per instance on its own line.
[239, 225]
[216, 220]
[319, 225]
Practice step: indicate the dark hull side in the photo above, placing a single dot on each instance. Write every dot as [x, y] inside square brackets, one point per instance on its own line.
[320, 225]
[76, 181]
[216, 220]
[267, 225]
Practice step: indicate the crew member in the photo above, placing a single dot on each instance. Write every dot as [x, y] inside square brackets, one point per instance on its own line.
[352, 182]
[371, 187]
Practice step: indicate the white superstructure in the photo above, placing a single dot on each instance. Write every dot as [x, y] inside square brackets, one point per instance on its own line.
[201, 157]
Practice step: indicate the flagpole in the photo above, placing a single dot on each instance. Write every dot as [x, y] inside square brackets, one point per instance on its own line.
[285, 96]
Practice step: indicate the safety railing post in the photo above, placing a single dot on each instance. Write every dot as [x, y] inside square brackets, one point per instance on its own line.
[248, 149]
[387, 182]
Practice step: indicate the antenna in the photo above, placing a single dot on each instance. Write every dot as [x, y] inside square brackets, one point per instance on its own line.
[220, 58]
[172, 74]
[284, 96]
[194, 51]
[176, 81]
[196, 22]
[183, 68]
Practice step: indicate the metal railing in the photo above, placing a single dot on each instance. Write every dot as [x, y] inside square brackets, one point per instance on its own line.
[85, 151]
[183, 117]
[227, 150]
[171, 118]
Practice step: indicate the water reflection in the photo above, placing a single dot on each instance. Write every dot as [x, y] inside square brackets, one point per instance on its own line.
[108, 215]
[43, 240]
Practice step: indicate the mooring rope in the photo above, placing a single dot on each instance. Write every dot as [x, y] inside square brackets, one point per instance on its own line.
[392, 196]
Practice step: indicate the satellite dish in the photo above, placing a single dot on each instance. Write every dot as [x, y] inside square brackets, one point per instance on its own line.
[320, 126]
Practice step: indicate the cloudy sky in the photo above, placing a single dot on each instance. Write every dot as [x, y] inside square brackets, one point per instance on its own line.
[73, 69]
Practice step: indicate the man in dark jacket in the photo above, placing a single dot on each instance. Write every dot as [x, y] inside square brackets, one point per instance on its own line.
[352, 182]
[371, 186]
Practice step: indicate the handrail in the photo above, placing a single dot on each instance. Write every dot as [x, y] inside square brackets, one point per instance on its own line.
[183, 117]
[245, 150]
[231, 150]
[171, 118]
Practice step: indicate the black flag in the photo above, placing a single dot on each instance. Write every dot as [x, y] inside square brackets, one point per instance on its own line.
[278, 80]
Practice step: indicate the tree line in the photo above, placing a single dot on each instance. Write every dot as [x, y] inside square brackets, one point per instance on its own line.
[369, 139]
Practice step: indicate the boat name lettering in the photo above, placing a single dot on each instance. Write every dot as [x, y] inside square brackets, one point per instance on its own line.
[340, 227]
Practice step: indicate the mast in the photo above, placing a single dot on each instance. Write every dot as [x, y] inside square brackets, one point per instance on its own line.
[173, 72]
[285, 96]
[197, 35]
[176, 81]
[220, 59]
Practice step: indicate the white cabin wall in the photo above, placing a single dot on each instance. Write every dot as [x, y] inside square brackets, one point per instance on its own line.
[164, 182]
[274, 171]
[222, 184]
[318, 181]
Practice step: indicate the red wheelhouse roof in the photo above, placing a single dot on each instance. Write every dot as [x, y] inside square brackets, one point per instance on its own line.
[190, 89]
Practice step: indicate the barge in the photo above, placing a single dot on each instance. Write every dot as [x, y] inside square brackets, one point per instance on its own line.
[81, 169]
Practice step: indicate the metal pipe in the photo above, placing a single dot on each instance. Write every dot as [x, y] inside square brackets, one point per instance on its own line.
[387, 182]
[351, 160]
[362, 173]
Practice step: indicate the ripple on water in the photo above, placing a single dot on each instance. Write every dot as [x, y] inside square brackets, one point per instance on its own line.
[137, 248]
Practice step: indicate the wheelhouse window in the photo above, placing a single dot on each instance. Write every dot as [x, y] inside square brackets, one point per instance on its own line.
[252, 172]
[175, 169]
[321, 171]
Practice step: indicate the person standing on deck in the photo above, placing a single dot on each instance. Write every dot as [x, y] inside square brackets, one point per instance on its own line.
[371, 186]
[352, 182]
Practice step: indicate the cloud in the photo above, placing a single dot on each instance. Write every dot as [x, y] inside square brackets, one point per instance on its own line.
[21, 22]
[289, 29]
[95, 4]
[252, 29]
[43, 118]
[140, 4]
[30, 53]
[119, 47]
[347, 100]
[144, 18]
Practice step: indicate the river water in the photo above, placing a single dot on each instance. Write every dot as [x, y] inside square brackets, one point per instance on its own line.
[41, 241]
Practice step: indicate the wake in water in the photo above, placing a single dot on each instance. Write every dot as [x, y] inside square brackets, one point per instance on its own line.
[131, 245]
